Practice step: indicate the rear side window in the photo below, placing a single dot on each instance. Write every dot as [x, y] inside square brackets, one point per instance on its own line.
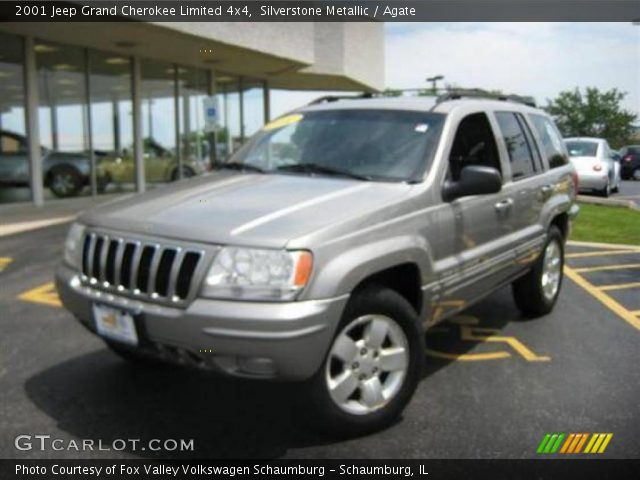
[518, 146]
[552, 145]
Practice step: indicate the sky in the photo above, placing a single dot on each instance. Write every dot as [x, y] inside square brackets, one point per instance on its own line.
[539, 59]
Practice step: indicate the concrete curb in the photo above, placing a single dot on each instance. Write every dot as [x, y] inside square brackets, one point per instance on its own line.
[610, 202]
[13, 228]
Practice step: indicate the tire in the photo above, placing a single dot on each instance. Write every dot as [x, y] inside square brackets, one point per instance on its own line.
[65, 181]
[636, 174]
[606, 191]
[187, 172]
[529, 292]
[363, 411]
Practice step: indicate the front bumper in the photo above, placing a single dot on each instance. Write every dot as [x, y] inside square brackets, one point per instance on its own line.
[285, 341]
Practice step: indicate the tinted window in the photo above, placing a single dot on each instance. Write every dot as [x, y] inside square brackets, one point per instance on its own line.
[551, 141]
[380, 144]
[582, 148]
[520, 152]
[474, 144]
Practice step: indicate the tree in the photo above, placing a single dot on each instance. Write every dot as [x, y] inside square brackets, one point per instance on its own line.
[592, 114]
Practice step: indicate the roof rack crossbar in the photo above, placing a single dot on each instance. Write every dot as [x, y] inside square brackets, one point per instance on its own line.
[478, 93]
[335, 98]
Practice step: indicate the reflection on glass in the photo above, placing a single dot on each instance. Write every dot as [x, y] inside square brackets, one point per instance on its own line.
[228, 136]
[159, 122]
[62, 119]
[111, 121]
[14, 163]
[253, 104]
[194, 141]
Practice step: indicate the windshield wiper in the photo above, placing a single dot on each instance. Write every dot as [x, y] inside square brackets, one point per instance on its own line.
[241, 166]
[322, 169]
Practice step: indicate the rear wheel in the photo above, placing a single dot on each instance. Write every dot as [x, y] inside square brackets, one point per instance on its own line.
[373, 365]
[187, 172]
[536, 293]
[606, 191]
[65, 181]
[636, 174]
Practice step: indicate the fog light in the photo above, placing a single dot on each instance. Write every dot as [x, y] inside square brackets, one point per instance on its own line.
[257, 366]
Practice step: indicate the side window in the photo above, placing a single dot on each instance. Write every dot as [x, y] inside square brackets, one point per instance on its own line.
[551, 140]
[520, 151]
[474, 144]
[10, 145]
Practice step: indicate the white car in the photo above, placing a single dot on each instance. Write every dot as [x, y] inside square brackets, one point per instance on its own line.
[593, 160]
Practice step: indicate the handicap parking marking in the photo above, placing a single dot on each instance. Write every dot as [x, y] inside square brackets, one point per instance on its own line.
[469, 331]
[4, 262]
[45, 294]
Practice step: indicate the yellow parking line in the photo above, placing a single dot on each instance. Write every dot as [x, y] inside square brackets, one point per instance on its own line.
[605, 299]
[619, 286]
[4, 262]
[636, 313]
[607, 267]
[601, 253]
[43, 294]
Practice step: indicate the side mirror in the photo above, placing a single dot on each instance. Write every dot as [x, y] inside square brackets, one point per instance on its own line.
[474, 180]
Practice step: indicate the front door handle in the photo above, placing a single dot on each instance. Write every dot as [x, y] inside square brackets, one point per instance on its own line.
[503, 205]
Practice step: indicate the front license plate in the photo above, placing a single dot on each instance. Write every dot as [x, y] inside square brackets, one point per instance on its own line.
[115, 324]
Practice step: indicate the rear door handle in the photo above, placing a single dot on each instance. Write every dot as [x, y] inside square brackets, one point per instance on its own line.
[503, 205]
[546, 189]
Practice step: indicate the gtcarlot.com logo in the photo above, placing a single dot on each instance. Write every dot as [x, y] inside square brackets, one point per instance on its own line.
[47, 443]
[573, 443]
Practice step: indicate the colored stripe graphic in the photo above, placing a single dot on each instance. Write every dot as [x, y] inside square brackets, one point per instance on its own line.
[573, 443]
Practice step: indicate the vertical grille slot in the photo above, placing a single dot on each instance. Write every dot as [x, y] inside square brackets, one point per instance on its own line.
[164, 271]
[144, 267]
[85, 255]
[110, 269]
[127, 261]
[185, 274]
[97, 251]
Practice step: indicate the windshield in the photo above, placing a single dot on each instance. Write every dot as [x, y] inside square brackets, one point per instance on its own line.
[582, 149]
[386, 145]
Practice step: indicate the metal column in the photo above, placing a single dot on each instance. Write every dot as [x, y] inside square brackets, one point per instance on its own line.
[138, 147]
[31, 111]
[93, 177]
[176, 116]
[266, 101]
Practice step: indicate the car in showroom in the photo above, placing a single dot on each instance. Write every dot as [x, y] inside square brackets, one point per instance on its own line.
[630, 162]
[65, 173]
[324, 248]
[597, 169]
[160, 165]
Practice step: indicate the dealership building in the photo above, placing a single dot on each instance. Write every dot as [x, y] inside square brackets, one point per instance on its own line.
[92, 108]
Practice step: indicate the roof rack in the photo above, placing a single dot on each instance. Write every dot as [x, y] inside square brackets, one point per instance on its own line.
[478, 93]
[335, 98]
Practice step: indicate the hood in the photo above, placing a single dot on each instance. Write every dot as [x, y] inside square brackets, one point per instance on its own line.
[236, 208]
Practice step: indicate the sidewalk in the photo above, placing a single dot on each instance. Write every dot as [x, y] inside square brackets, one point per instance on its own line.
[22, 217]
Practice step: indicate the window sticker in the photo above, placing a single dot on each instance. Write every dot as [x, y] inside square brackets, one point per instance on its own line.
[421, 128]
[283, 121]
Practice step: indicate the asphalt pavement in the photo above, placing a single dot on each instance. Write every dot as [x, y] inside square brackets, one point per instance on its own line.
[496, 383]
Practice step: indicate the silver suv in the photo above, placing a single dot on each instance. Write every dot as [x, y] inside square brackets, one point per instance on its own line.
[328, 244]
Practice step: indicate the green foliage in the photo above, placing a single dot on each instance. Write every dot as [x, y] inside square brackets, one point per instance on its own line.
[596, 223]
[389, 92]
[593, 114]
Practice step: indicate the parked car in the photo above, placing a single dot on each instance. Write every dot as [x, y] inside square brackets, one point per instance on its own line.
[65, 173]
[327, 245]
[596, 167]
[630, 162]
[159, 163]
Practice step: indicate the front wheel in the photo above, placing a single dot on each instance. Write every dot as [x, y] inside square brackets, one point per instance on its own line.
[536, 293]
[373, 365]
[65, 181]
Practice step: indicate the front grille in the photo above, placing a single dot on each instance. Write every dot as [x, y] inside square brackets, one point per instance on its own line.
[139, 268]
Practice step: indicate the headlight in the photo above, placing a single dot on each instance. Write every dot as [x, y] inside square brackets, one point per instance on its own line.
[73, 246]
[257, 274]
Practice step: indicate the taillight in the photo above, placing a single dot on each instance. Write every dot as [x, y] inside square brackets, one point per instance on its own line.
[597, 167]
[576, 183]
[627, 158]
